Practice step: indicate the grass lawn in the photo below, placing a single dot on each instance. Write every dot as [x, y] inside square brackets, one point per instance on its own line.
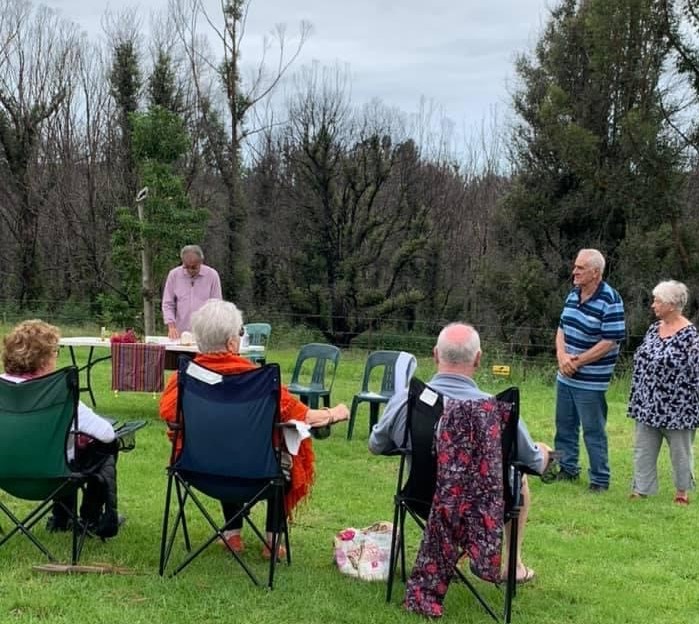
[598, 558]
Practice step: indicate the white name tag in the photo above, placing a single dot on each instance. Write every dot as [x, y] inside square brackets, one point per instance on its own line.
[429, 397]
[203, 374]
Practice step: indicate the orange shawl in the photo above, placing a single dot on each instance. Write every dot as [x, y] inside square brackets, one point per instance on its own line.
[302, 471]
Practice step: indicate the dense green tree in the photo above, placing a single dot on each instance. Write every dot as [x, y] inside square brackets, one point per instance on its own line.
[163, 89]
[592, 154]
[125, 81]
[357, 230]
[144, 244]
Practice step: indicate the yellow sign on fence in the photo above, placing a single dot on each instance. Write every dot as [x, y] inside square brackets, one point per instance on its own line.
[501, 370]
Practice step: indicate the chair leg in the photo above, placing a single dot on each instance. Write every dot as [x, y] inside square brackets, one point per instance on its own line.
[393, 557]
[511, 584]
[276, 538]
[401, 543]
[353, 414]
[181, 517]
[165, 552]
[79, 532]
[373, 415]
[24, 527]
[217, 533]
[460, 575]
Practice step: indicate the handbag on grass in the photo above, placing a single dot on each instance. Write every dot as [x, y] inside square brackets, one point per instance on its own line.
[364, 553]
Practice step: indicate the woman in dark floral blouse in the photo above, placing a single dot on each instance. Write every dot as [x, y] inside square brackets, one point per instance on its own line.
[664, 398]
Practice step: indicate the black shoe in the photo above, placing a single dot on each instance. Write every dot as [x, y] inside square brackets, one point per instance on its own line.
[566, 476]
[597, 489]
[56, 524]
[108, 526]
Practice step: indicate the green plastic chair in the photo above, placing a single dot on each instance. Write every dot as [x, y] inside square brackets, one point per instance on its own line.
[376, 359]
[35, 420]
[258, 336]
[316, 388]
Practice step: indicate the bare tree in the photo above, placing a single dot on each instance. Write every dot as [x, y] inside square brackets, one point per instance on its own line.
[37, 61]
[226, 104]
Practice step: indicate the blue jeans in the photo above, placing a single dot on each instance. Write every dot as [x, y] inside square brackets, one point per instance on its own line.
[589, 408]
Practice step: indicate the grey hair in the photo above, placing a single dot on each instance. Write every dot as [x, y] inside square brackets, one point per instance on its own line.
[191, 249]
[673, 292]
[458, 352]
[214, 324]
[595, 258]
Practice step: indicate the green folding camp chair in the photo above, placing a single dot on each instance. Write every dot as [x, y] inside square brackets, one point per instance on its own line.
[35, 421]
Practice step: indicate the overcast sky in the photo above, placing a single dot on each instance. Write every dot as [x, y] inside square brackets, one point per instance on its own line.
[457, 53]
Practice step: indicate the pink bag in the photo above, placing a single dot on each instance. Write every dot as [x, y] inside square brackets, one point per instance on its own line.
[364, 553]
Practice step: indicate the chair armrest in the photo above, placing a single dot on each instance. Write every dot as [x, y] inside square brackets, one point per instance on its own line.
[523, 468]
[398, 452]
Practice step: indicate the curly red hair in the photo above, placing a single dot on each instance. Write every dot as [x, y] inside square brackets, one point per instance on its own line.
[29, 347]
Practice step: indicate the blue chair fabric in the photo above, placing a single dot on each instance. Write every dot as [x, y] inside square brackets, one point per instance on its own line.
[228, 453]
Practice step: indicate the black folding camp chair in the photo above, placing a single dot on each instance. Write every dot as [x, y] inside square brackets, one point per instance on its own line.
[35, 421]
[226, 426]
[415, 491]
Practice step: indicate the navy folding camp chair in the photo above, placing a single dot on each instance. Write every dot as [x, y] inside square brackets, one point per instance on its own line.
[226, 428]
[36, 417]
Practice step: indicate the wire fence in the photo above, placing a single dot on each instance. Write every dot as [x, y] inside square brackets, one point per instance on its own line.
[521, 347]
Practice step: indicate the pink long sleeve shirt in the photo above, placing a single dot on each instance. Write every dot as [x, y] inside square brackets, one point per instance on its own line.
[184, 294]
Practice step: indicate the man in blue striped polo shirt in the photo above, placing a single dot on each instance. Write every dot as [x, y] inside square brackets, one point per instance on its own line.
[587, 344]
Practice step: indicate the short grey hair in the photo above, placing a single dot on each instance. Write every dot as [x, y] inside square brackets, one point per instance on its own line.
[673, 292]
[214, 324]
[191, 249]
[595, 258]
[458, 351]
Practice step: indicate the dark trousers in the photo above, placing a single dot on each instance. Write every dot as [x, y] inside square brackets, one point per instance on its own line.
[273, 523]
[98, 507]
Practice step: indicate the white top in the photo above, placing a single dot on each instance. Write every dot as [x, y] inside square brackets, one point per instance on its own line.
[88, 422]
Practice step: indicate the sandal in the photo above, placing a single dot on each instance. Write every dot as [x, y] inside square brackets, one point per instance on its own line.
[529, 575]
[681, 499]
[267, 554]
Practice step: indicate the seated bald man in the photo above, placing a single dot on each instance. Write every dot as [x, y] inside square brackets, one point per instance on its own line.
[457, 355]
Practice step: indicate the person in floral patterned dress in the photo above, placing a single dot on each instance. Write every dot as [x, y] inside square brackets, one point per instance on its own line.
[664, 399]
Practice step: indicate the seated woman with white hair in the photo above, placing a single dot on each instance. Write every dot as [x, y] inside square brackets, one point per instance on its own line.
[218, 326]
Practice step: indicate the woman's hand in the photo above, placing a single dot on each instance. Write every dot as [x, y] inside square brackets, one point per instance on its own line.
[327, 415]
[339, 413]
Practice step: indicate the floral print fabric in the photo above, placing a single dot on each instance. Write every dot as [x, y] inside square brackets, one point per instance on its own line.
[665, 382]
[468, 505]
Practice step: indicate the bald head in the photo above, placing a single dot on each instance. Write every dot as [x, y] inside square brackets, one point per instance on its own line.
[458, 349]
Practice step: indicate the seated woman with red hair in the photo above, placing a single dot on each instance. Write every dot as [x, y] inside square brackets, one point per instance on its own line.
[31, 350]
[217, 326]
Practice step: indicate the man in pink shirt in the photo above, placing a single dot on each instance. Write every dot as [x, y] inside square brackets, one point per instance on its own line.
[187, 288]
